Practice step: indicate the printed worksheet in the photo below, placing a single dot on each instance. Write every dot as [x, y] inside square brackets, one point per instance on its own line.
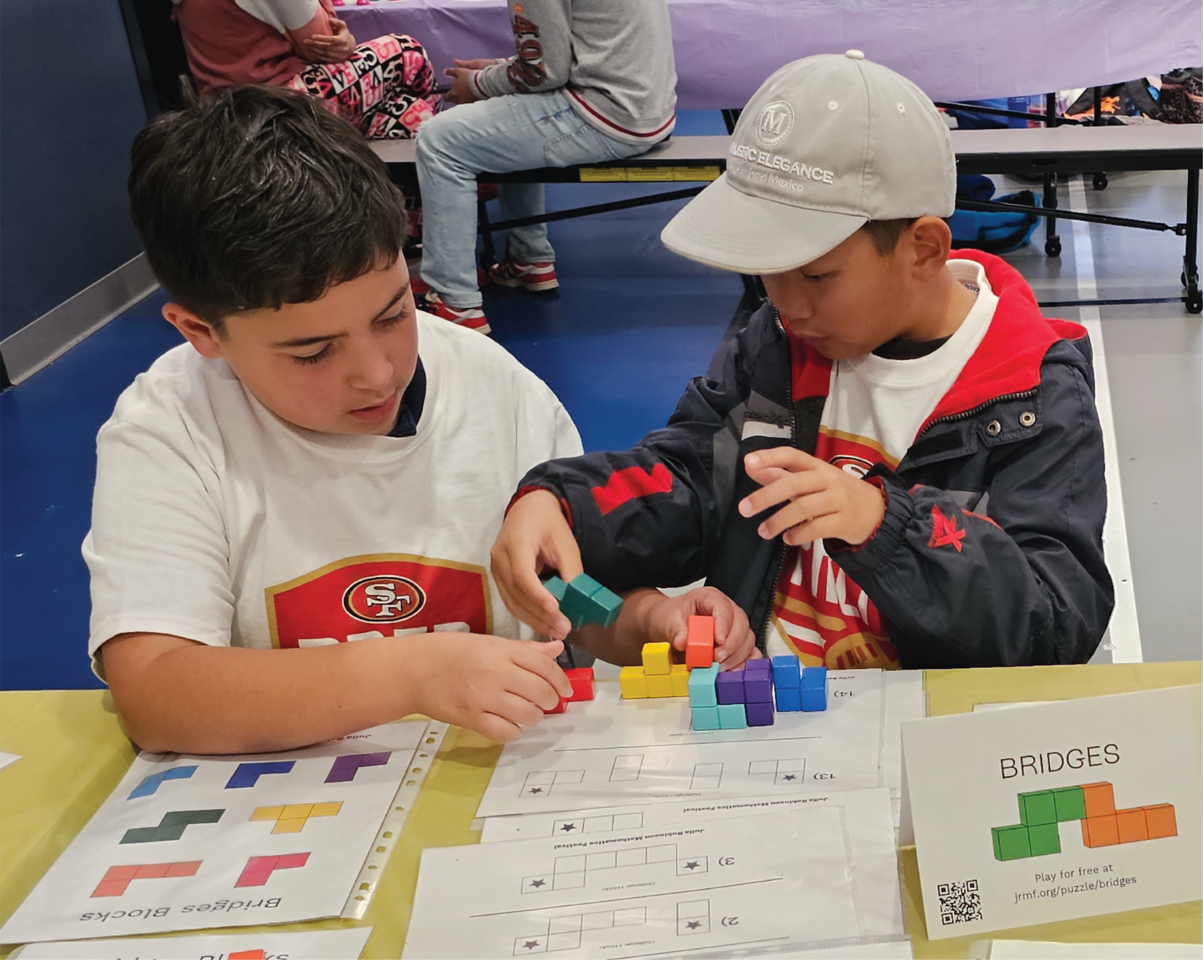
[188, 843]
[310, 945]
[609, 750]
[738, 883]
[868, 817]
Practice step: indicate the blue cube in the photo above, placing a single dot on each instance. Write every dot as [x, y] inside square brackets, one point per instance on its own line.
[760, 714]
[730, 688]
[731, 716]
[787, 672]
[705, 718]
[701, 687]
[814, 689]
[814, 677]
[758, 687]
[789, 700]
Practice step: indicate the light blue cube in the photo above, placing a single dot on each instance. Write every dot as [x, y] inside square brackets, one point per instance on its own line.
[732, 716]
[701, 686]
[705, 718]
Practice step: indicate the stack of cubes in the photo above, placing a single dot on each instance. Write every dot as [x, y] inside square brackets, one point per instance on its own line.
[703, 697]
[658, 677]
[799, 689]
[585, 601]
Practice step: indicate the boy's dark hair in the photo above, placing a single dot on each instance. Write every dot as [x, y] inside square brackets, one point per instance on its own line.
[885, 234]
[255, 196]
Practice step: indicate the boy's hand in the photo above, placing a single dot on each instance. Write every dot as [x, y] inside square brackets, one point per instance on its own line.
[479, 63]
[820, 500]
[331, 49]
[734, 641]
[487, 684]
[535, 537]
[461, 88]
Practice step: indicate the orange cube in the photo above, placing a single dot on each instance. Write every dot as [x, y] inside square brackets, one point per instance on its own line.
[1160, 820]
[699, 642]
[1100, 799]
[1100, 831]
[1131, 825]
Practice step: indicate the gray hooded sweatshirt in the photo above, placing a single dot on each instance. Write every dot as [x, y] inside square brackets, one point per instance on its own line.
[612, 58]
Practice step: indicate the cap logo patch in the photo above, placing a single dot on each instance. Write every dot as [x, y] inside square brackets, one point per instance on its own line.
[774, 122]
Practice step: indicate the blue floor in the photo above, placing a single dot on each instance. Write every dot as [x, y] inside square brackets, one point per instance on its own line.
[630, 324]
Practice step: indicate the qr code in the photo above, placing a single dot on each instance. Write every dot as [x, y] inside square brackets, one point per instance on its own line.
[959, 902]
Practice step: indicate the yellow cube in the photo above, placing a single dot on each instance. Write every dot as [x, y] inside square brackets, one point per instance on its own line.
[660, 685]
[633, 683]
[657, 659]
[680, 679]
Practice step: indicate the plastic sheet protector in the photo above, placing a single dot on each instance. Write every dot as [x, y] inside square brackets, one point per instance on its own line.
[310, 945]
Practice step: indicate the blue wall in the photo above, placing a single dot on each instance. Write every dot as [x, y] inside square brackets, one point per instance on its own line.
[71, 106]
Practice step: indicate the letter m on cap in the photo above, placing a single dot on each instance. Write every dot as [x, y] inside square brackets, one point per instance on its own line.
[630, 483]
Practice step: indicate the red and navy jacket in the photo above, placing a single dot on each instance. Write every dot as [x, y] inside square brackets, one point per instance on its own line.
[990, 552]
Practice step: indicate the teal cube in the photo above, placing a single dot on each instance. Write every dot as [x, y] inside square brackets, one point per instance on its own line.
[1037, 807]
[556, 587]
[701, 686]
[1070, 803]
[1043, 839]
[575, 603]
[706, 718]
[1011, 843]
[732, 716]
[605, 606]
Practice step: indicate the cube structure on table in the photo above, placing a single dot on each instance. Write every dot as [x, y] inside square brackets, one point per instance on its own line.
[705, 718]
[759, 713]
[680, 678]
[701, 686]
[633, 683]
[657, 659]
[1037, 807]
[581, 679]
[659, 685]
[1161, 821]
[787, 672]
[814, 689]
[729, 687]
[699, 642]
[731, 716]
[1011, 843]
[587, 601]
[758, 684]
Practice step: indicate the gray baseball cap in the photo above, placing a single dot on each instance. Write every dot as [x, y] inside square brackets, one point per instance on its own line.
[826, 144]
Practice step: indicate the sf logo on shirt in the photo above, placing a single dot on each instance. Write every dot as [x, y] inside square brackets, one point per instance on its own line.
[383, 599]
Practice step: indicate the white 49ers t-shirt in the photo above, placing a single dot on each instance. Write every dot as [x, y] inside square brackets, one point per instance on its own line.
[874, 409]
[216, 521]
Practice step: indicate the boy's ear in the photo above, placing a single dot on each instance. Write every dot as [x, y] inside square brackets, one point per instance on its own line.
[931, 241]
[195, 330]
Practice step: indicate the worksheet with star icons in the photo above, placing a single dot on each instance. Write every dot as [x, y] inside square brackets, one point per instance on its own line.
[742, 883]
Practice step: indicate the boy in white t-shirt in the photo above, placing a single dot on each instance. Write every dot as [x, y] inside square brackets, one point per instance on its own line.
[895, 462]
[293, 510]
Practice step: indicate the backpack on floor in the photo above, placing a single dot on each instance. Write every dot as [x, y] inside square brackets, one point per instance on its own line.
[993, 231]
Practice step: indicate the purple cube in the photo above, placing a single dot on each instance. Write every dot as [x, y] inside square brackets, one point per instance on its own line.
[758, 666]
[758, 687]
[729, 687]
[760, 714]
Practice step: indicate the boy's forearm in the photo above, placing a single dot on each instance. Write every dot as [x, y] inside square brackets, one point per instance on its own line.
[622, 643]
[200, 699]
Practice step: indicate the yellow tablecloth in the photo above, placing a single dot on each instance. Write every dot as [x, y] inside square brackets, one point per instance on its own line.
[74, 753]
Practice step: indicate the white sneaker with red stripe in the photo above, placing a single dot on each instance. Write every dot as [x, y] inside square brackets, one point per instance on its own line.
[471, 317]
[535, 277]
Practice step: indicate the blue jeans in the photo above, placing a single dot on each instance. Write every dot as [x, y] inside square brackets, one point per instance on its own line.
[499, 135]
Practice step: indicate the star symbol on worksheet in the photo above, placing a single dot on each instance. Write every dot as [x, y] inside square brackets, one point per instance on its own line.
[531, 944]
[789, 776]
[536, 789]
[568, 827]
[537, 883]
[694, 924]
[691, 865]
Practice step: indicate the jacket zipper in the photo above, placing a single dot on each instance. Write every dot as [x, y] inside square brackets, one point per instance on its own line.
[763, 633]
[966, 414]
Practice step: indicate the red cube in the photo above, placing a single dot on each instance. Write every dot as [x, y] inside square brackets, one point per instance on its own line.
[559, 707]
[699, 642]
[581, 679]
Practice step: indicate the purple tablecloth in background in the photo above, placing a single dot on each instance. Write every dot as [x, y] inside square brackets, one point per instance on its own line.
[953, 49]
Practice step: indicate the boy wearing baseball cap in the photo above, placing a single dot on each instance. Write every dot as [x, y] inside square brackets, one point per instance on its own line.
[895, 462]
